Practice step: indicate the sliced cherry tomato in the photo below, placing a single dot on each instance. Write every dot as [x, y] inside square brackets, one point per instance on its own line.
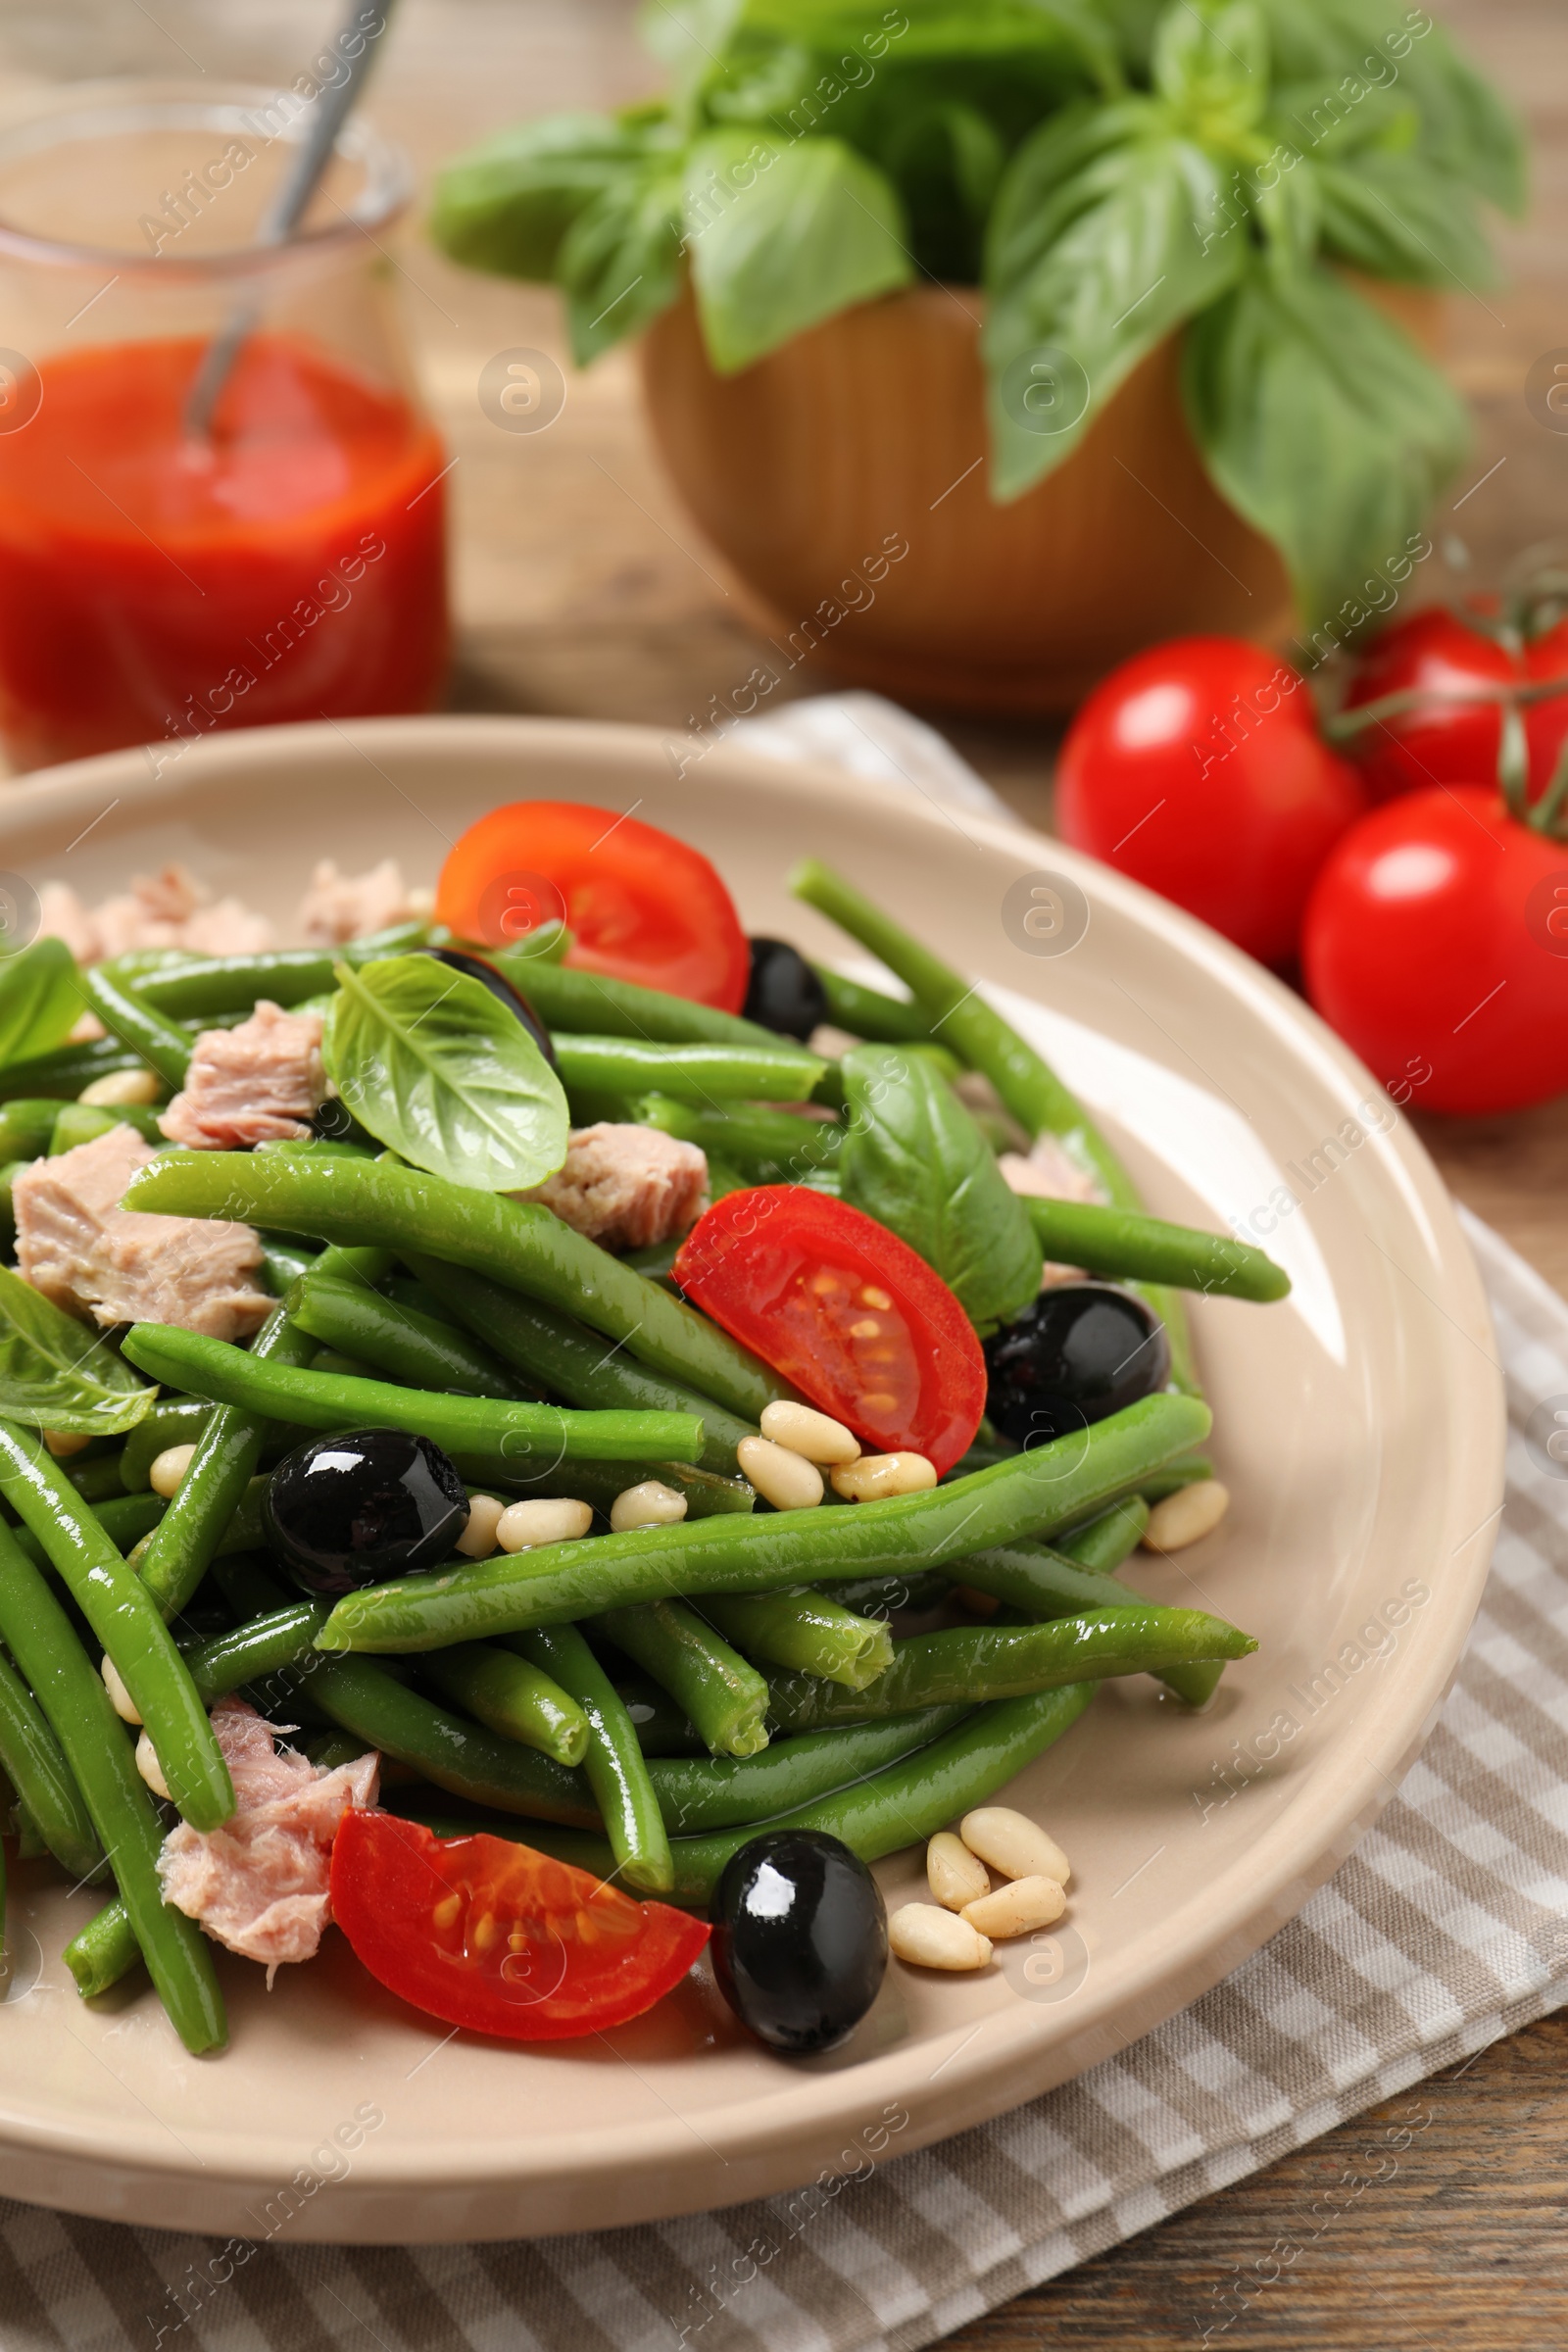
[1453, 733]
[640, 905]
[495, 1936]
[844, 1309]
[1198, 770]
[1436, 943]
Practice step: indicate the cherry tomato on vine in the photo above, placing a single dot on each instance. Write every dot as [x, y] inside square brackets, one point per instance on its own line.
[1452, 734]
[1197, 768]
[844, 1309]
[640, 905]
[1436, 943]
[496, 1937]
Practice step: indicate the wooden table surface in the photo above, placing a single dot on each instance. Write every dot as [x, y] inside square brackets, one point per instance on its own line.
[582, 589]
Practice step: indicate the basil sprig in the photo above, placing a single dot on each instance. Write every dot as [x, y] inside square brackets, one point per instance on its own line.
[57, 1374]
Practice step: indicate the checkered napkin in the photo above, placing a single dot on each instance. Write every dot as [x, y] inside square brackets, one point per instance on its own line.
[1443, 1931]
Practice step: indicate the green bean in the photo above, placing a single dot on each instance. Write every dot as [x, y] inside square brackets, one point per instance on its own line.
[772, 1147]
[723, 1695]
[26, 1126]
[882, 1021]
[1044, 1583]
[1009, 1661]
[462, 1757]
[97, 1746]
[1052, 1486]
[243, 1655]
[660, 1726]
[591, 1002]
[63, 1073]
[172, 1421]
[508, 1695]
[885, 1596]
[30, 1843]
[400, 1339]
[715, 1793]
[43, 1781]
[125, 1618]
[809, 1631]
[1117, 1243]
[333, 1361]
[96, 1478]
[903, 1805]
[1188, 1470]
[230, 983]
[156, 1041]
[472, 1424]
[84, 1122]
[573, 1362]
[9, 1172]
[282, 1264]
[223, 1466]
[638, 1847]
[777, 1072]
[599, 1483]
[1110, 1537]
[517, 1243]
[103, 1951]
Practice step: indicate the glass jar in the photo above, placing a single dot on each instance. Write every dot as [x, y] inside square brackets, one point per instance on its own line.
[159, 577]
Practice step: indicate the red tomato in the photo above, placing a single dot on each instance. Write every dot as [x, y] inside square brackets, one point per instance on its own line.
[1436, 943]
[1455, 735]
[844, 1309]
[639, 903]
[495, 1936]
[1195, 767]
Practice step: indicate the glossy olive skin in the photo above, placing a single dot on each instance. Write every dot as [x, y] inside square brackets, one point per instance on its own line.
[800, 1940]
[360, 1508]
[1076, 1353]
[784, 993]
[502, 989]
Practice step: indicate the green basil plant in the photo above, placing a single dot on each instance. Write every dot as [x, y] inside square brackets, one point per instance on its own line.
[1109, 171]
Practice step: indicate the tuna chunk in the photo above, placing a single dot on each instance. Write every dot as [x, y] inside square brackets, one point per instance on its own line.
[260, 1884]
[260, 1083]
[80, 1248]
[1049, 1173]
[171, 910]
[339, 907]
[626, 1187]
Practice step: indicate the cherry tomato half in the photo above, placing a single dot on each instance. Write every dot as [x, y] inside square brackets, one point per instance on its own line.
[1455, 734]
[496, 1938]
[844, 1309]
[1436, 943]
[640, 905]
[1197, 768]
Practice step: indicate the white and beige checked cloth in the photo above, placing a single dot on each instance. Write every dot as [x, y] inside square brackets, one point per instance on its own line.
[1447, 1928]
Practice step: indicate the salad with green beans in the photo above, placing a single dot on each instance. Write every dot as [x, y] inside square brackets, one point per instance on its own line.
[556, 1434]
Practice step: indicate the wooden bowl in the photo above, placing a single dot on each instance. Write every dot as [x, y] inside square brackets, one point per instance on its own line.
[810, 471]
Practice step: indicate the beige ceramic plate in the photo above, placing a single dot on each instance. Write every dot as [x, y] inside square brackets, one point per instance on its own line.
[1359, 1426]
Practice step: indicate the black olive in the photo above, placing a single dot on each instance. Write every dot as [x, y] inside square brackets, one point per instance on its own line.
[501, 988]
[784, 993]
[1076, 1353]
[800, 1940]
[360, 1508]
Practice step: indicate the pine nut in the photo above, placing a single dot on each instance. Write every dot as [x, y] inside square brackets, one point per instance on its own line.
[650, 1504]
[478, 1538]
[786, 1479]
[542, 1520]
[816, 1435]
[1018, 1908]
[124, 1704]
[932, 1938]
[1186, 1516]
[1013, 1845]
[64, 1443]
[875, 1475]
[955, 1876]
[147, 1764]
[123, 1085]
[169, 1468]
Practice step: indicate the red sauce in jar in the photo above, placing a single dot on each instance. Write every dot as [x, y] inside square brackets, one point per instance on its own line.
[152, 589]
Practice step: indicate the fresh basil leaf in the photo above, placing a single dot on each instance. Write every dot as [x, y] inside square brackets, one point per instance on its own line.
[1321, 423]
[914, 1159]
[507, 206]
[56, 1374]
[619, 262]
[781, 237]
[434, 1066]
[40, 998]
[1210, 62]
[1109, 230]
[1398, 216]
